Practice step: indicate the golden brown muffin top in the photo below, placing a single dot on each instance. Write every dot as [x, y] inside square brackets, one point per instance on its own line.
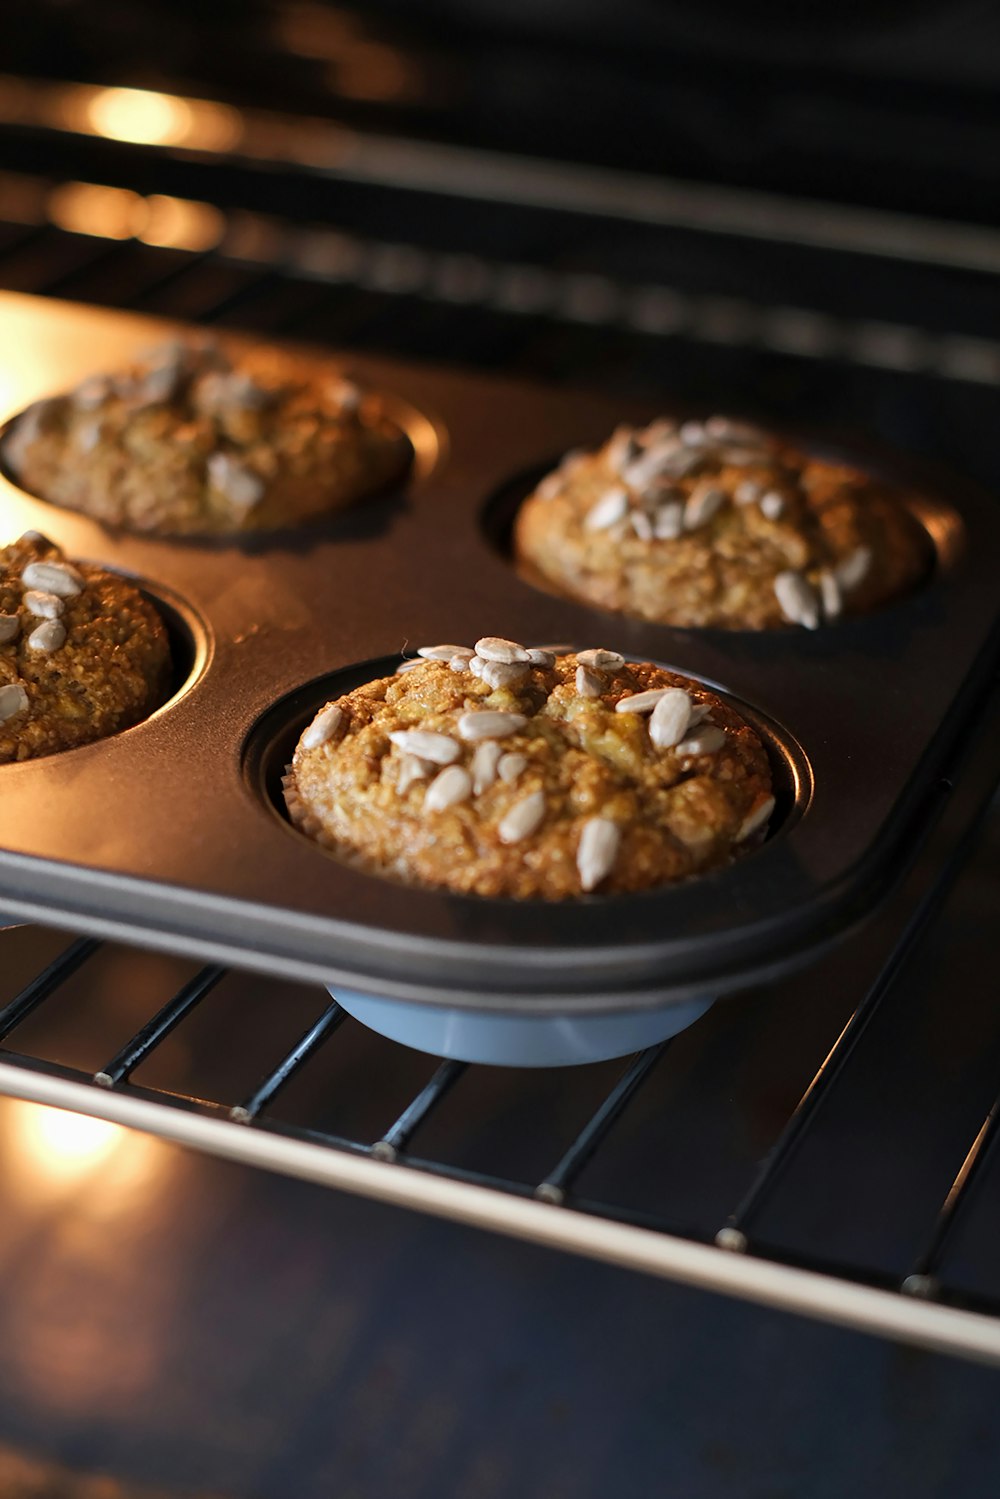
[719, 523]
[82, 653]
[190, 439]
[509, 771]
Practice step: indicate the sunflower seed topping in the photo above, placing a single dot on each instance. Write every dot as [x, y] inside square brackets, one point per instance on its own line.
[797, 599]
[671, 718]
[772, 505]
[345, 395]
[622, 447]
[323, 727]
[693, 434]
[642, 702]
[523, 818]
[477, 666]
[755, 818]
[641, 525]
[49, 636]
[462, 663]
[53, 577]
[597, 850]
[485, 759]
[451, 786]
[854, 569]
[609, 510]
[542, 658]
[13, 700]
[589, 683]
[510, 766]
[440, 749]
[410, 770]
[444, 652]
[699, 712]
[502, 673]
[601, 660]
[44, 605]
[707, 741]
[494, 648]
[668, 522]
[10, 628]
[235, 482]
[485, 723]
[701, 504]
[829, 592]
[748, 492]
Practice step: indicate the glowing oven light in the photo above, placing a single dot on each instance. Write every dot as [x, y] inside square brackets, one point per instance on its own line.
[132, 114]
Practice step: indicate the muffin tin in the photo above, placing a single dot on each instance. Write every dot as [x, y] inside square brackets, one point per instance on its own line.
[171, 833]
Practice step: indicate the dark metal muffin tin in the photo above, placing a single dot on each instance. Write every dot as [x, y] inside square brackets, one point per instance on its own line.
[170, 833]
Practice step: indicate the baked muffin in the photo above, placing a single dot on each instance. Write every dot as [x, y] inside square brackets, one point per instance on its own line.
[189, 441]
[82, 653]
[513, 772]
[717, 523]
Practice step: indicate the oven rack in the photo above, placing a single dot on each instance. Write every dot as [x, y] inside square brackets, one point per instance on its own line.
[921, 1306]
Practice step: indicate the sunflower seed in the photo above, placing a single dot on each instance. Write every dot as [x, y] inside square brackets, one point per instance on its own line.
[485, 759]
[50, 636]
[323, 727]
[588, 683]
[550, 486]
[642, 702]
[699, 712]
[444, 652]
[450, 786]
[609, 510]
[772, 505]
[621, 448]
[441, 749]
[405, 666]
[544, 659]
[88, 435]
[344, 394]
[10, 628]
[597, 850]
[37, 538]
[523, 818]
[44, 605]
[748, 492]
[756, 818]
[702, 503]
[235, 482]
[724, 429]
[13, 700]
[510, 766]
[693, 434]
[601, 660]
[671, 718]
[641, 525]
[797, 599]
[485, 723]
[53, 577]
[410, 770]
[668, 522]
[477, 666]
[854, 569]
[504, 673]
[706, 742]
[670, 459]
[829, 592]
[494, 648]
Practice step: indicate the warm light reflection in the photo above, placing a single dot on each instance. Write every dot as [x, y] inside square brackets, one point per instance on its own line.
[133, 114]
[52, 1153]
[181, 223]
[86, 208]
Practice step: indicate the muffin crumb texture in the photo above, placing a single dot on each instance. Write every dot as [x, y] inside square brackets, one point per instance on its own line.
[514, 771]
[190, 440]
[718, 523]
[82, 653]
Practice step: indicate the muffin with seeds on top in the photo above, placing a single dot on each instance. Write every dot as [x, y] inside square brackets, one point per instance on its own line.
[503, 770]
[82, 653]
[190, 440]
[718, 523]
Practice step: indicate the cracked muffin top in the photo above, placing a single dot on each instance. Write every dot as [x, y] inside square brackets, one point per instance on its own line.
[82, 653]
[503, 770]
[718, 523]
[191, 440]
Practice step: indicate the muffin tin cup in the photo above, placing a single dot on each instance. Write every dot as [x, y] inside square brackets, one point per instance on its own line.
[169, 835]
